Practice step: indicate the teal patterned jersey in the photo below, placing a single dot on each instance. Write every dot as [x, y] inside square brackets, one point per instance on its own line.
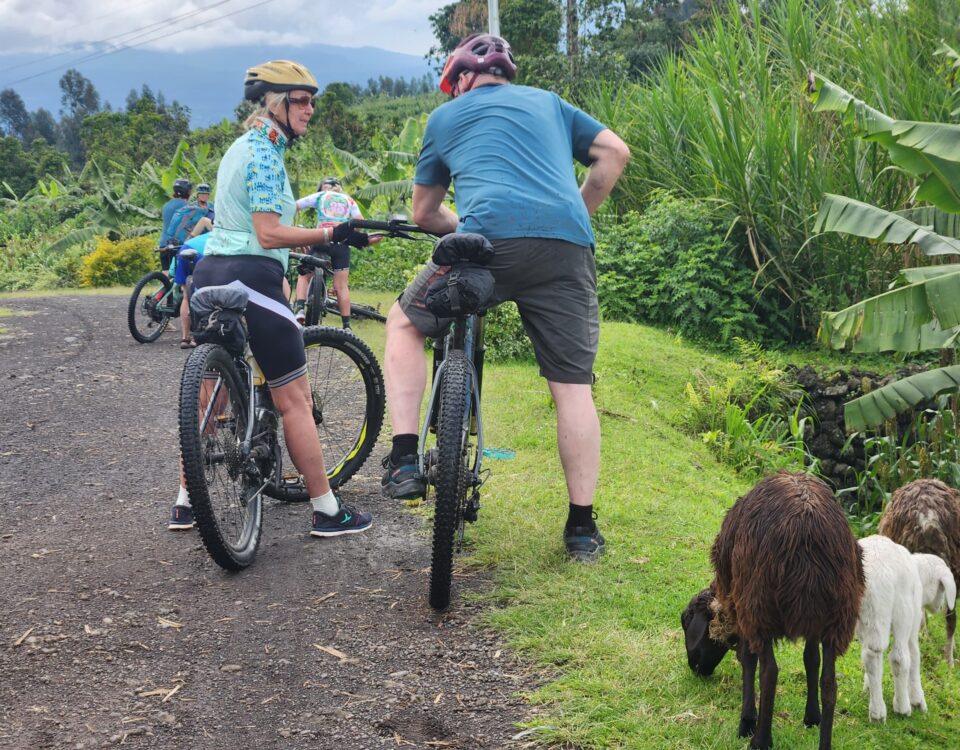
[251, 179]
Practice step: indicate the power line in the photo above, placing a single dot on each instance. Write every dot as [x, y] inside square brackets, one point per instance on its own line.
[123, 46]
[82, 23]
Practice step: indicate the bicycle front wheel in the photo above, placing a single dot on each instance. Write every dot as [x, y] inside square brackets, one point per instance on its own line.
[316, 296]
[144, 316]
[346, 385]
[449, 472]
[226, 502]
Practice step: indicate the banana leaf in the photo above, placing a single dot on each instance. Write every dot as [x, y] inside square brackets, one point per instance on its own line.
[924, 273]
[74, 238]
[919, 317]
[874, 408]
[932, 218]
[391, 189]
[848, 216]
[928, 150]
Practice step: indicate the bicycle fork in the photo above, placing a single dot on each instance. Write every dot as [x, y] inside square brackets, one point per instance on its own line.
[474, 425]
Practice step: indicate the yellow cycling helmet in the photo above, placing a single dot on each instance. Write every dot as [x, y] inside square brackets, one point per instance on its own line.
[279, 76]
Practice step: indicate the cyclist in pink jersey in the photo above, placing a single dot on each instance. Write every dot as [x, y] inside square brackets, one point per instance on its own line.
[333, 207]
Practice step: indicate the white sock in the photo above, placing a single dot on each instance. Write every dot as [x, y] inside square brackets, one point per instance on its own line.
[326, 504]
[183, 498]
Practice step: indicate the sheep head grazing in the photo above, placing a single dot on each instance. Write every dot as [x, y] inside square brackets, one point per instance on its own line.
[699, 620]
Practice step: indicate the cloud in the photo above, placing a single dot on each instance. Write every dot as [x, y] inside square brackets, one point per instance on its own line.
[52, 26]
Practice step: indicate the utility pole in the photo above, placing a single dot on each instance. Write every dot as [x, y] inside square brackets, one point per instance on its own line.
[493, 12]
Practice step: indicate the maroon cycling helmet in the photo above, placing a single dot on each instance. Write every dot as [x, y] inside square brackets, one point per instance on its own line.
[481, 53]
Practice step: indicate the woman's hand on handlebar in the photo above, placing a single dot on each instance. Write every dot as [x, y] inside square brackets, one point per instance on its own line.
[345, 234]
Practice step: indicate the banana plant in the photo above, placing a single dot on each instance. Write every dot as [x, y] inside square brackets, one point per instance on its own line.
[387, 174]
[921, 311]
[114, 214]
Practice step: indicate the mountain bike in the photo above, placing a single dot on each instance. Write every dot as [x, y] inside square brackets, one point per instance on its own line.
[319, 302]
[230, 432]
[451, 438]
[155, 300]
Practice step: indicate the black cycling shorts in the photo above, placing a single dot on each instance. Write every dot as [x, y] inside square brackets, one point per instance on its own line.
[167, 254]
[339, 257]
[276, 339]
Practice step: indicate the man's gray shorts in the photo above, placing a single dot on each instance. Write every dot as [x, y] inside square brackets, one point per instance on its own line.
[554, 284]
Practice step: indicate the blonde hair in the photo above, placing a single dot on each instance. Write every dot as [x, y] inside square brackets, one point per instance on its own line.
[272, 100]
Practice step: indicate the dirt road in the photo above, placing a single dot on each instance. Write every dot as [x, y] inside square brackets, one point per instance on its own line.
[114, 631]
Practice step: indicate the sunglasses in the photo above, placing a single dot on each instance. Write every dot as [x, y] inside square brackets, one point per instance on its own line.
[304, 101]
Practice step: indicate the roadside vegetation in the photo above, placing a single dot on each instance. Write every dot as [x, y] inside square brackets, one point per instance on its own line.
[794, 184]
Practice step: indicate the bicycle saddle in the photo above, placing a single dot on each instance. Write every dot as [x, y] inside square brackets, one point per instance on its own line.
[463, 247]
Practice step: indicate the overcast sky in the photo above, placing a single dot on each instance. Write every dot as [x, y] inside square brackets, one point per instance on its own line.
[51, 26]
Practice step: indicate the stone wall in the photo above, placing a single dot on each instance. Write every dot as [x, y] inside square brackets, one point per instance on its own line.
[825, 437]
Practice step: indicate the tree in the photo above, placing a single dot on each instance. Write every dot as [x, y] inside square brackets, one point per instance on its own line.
[14, 119]
[43, 125]
[48, 162]
[79, 96]
[79, 99]
[17, 173]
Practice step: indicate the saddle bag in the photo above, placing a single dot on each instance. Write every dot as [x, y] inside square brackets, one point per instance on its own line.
[467, 288]
[216, 317]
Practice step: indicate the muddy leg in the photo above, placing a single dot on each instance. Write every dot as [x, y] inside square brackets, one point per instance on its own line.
[763, 739]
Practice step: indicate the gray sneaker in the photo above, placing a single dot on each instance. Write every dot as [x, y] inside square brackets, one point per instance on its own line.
[583, 543]
[181, 517]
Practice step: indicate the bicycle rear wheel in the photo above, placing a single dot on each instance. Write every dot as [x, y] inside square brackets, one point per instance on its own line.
[348, 404]
[144, 317]
[449, 472]
[316, 297]
[226, 501]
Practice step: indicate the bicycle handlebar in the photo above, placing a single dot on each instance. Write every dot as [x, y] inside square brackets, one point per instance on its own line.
[393, 228]
[310, 260]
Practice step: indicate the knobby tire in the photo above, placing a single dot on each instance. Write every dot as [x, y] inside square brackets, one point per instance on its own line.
[453, 434]
[316, 297]
[228, 514]
[346, 384]
[137, 315]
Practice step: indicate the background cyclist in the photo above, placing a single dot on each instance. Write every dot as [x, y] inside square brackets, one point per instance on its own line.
[181, 194]
[510, 150]
[333, 206]
[250, 244]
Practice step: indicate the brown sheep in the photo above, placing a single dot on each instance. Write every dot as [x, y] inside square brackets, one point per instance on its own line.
[924, 516]
[787, 566]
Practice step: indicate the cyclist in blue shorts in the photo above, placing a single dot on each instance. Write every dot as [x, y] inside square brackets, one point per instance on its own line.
[250, 244]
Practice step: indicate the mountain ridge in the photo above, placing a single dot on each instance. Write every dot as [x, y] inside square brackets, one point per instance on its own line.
[209, 82]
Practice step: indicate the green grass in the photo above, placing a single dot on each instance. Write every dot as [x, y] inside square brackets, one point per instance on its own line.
[608, 636]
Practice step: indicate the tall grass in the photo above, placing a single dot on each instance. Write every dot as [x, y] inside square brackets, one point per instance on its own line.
[728, 121]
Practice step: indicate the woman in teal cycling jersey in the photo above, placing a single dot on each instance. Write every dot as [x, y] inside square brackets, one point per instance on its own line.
[250, 244]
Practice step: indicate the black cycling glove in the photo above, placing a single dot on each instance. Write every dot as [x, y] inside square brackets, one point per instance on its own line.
[343, 233]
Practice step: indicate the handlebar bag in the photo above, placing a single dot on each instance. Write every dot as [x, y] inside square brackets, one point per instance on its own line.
[463, 247]
[467, 288]
[216, 317]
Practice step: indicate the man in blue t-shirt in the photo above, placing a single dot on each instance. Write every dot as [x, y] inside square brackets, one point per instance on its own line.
[509, 150]
[181, 194]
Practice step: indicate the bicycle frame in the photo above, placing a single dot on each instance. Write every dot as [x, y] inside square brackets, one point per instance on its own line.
[249, 374]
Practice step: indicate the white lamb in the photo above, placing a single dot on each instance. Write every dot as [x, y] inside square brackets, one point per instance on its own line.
[939, 588]
[892, 600]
